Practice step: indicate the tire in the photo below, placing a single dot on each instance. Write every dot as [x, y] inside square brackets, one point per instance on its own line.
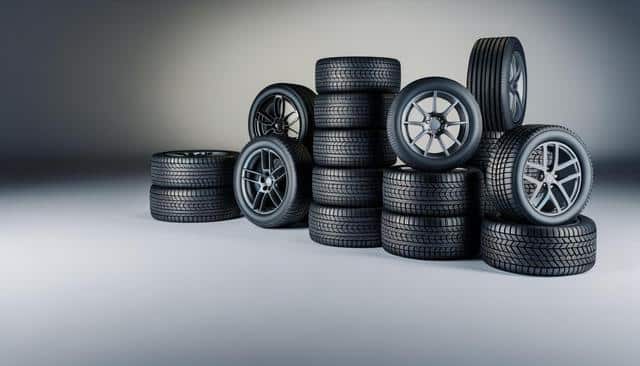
[193, 204]
[265, 119]
[439, 127]
[345, 227]
[412, 192]
[277, 193]
[357, 74]
[193, 168]
[348, 111]
[423, 237]
[352, 149]
[488, 78]
[347, 187]
[481, 160]
[517, 152]
[540, 250]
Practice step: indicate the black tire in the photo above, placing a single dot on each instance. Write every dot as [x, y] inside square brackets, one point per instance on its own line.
[193, 168]
[357, 74]
[540, 250]
[481, 160]
[423, 237]
[352, 149]
[509, 166]
[412, 152]
[265, 119]
[488, 78]
[289, 204]
[412, 192]
[345, 227]
[347, 187]
[352, 110]
[193, 204]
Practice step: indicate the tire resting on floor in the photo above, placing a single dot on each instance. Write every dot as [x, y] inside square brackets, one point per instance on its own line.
[424, 237]
[193, 168]
[352, 149]
[345, 227]
[412, 192]
[357, 74]
[347, 187]
[193, 204]
[352, 110]
[540, 250]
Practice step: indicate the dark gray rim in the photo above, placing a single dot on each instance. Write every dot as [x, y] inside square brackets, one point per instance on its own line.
[552, 178]
[517, 86]
[435, 134]
[277, 115]
[264, 181]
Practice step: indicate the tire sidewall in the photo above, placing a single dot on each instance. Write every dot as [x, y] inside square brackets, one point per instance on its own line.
[275, 218]
[394, 124]
[587, 177]
[299, 101]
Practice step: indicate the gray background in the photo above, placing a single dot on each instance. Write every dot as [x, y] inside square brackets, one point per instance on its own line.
[88, 90]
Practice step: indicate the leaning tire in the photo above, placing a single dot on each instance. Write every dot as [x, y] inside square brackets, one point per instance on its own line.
[412, 192]
[347, 187]
[193, 204]
[352, 110]
[491, 77]
[271, 181]
[540, 250]
[345, 227]
[434, 137]
[193, 168]
[357, 74]
[284, 110]
[352, 149]
[541, 188]
[423, 237]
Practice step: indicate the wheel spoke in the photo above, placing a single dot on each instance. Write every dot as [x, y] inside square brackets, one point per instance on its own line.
[245, 171]
[536, 192]
[275, 171]
[569, 178]
[277, 194]
[554, 200]
[531, 179]
[413, 123]
[264, 119]
[449, 108]
[545, 158]
[422, 133]
[286, 118]
[444, 149]
[453, 138]
[564, 193]
[435, 101]
[256, 199]
[518, 104]
[273, 199]
[566, 164]
[278, 106]
[247, 179]
[264, 160]
[556, 156]
[424, 114]
[536, 166]
[294, 121]
[457, 123]
[428, 147]
[544, 200]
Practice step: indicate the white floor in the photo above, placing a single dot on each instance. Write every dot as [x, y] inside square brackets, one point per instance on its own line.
[88, 278]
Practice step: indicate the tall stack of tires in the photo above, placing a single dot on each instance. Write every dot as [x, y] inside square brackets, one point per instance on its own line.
[537, 177]
[350, 148]
[193, 186]
[431, 205]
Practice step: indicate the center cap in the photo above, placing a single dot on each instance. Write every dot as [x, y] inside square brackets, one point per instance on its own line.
[435, 124]
[268, 181]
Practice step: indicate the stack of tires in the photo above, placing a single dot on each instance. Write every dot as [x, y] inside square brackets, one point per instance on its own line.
[350, 148]
[193, 186]
[537, 177]
[431, 206]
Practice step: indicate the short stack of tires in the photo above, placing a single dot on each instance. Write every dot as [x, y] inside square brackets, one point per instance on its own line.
[193, 186]
[350, 148]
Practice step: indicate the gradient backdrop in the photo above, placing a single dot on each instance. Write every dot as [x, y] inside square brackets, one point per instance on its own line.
[89, 89]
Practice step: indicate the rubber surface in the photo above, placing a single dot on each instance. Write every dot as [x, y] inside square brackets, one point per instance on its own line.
[352, 149]
[352, 110]
[357, 74]
[423, 237]
[540, 250]
[193, 204]
[488, 79]
[481, 159]
[212, 169]
[413, 192]
[347, 187]
[345, 227]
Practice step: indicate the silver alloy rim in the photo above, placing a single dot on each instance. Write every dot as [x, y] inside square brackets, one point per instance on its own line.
[277, 115]
[517, 86]
[552, 178]
[264, 181]
[435, 124]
